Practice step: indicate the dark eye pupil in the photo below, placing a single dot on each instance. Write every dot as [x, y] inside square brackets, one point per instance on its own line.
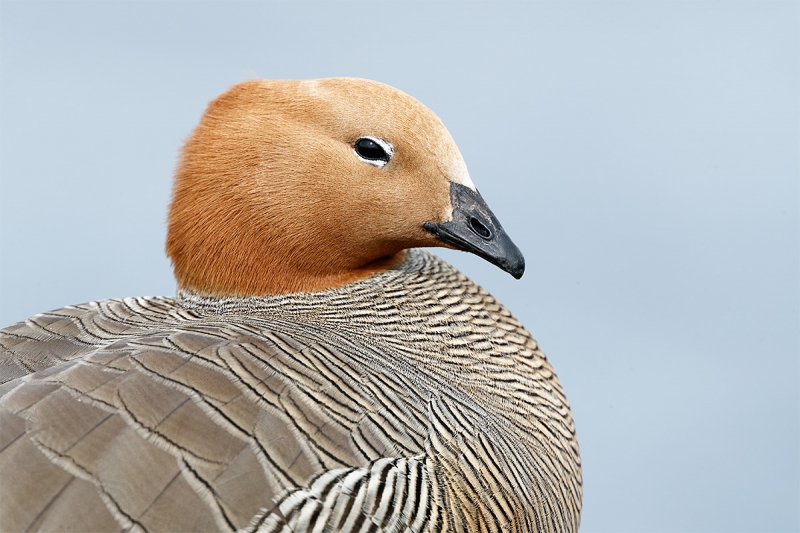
[371, 150]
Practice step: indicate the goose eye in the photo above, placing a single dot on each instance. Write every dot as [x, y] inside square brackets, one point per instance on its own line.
[374, 151]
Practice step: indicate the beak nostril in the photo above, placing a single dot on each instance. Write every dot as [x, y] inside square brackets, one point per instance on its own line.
[479, 229]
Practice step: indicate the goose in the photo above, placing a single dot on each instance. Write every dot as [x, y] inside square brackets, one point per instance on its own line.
[317, 371]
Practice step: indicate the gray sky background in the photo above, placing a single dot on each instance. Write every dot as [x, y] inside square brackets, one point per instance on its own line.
[643, 155]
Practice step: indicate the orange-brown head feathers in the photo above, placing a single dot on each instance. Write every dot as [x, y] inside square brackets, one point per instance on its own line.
[271, 195]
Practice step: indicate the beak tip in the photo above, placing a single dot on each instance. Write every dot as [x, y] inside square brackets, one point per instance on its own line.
[515, 267]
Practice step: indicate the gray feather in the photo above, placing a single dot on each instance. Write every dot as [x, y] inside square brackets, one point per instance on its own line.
[410, 401]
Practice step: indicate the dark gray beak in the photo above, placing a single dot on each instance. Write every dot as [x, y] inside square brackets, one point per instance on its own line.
[475, 229]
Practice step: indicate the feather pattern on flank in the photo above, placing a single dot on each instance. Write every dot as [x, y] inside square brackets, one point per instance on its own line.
[408, 401]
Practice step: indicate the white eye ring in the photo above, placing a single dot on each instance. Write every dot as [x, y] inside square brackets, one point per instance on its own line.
[379, 160]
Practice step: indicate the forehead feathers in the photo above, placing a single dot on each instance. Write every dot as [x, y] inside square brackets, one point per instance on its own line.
[340, 109]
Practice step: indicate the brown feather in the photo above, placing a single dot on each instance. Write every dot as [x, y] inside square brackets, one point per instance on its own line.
[268, 155]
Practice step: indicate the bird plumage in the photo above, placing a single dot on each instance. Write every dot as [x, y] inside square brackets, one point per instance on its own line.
[405, 400]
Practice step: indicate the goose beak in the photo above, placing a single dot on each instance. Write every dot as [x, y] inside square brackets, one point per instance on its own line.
[475, 229]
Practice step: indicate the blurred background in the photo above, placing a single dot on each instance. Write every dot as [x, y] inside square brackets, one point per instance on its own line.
[643, 155]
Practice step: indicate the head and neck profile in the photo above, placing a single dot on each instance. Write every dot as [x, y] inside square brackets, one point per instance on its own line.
[365, 172]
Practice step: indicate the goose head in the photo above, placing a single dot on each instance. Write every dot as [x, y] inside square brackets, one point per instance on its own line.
[293, 186]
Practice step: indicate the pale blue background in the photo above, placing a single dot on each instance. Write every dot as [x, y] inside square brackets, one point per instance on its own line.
[644, 155]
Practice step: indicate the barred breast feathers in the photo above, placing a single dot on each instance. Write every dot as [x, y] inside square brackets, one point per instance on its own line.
[415, 364]
[378, 390]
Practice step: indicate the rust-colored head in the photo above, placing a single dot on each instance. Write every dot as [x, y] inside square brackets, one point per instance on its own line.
[272, 196]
